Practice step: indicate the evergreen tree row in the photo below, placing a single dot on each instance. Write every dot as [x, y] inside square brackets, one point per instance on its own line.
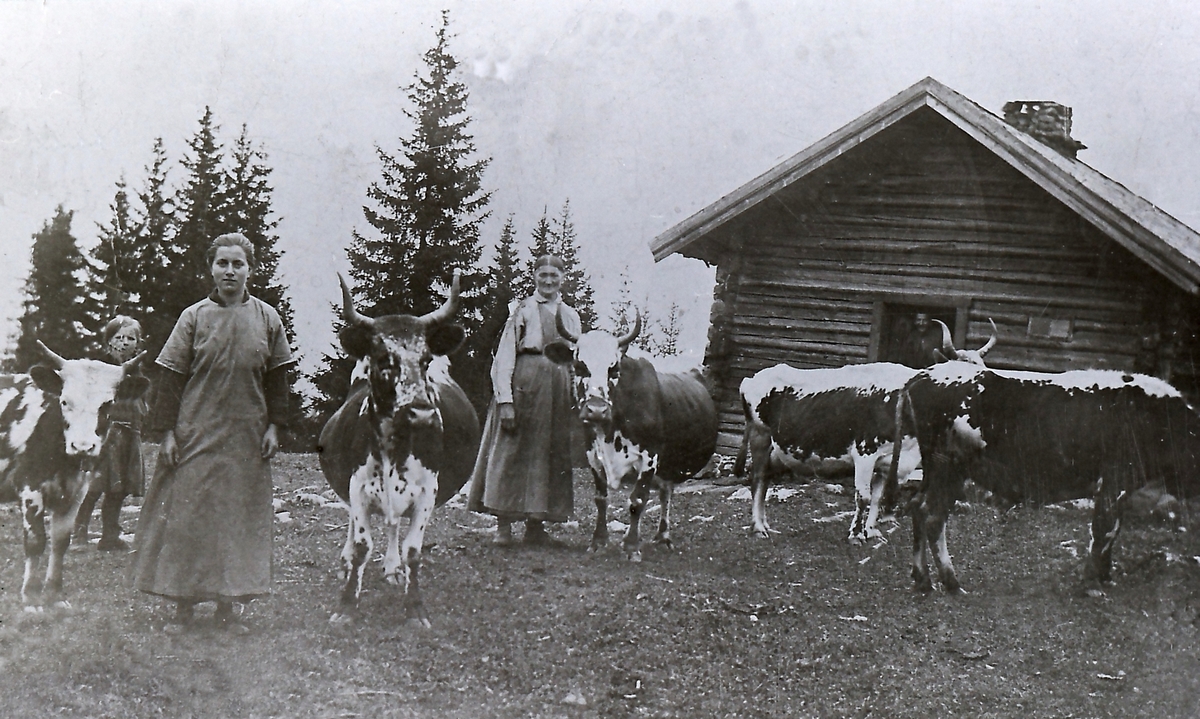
[149, 259]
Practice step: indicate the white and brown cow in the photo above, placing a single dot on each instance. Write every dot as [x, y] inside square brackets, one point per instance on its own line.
[402, 443]
[794, 416]
[1042, 438]
[48, 428]
[649, 426]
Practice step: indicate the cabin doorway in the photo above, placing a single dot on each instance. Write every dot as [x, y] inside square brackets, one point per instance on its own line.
[908, 334]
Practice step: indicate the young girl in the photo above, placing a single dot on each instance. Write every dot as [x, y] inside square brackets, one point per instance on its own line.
[118, 471]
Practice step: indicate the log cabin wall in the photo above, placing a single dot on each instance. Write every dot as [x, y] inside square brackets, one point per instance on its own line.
[921, 213]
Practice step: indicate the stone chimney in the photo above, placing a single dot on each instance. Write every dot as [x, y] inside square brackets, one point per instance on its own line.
[1048, 122]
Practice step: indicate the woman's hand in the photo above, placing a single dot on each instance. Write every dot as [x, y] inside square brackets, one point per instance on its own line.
[508, 417]
[168, 451]
[270, 441]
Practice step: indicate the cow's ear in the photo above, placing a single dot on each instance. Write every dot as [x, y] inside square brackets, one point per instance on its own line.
[444, 339]
[356, 340]
[46, 379]
[133, 387]
[558, 352]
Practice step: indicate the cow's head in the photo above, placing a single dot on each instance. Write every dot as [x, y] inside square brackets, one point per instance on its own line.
[948, 351]
[398, 350]
[83, 387]
[597, 367]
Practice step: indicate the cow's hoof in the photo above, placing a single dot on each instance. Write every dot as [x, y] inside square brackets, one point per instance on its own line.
[856, 539]
[341, 619]
[665, 541]
[421, 622]
[635, 555]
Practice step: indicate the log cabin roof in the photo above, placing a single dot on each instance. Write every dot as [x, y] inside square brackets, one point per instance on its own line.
[1167, 245]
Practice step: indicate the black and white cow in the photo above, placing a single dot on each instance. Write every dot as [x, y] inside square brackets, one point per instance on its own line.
[1043, 438]
[402, 443]
[794, 416]
[651, 426]
[48, 428]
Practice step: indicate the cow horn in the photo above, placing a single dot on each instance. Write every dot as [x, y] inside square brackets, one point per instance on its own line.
[632, 334]
[448, 308]
[562, 329]
[990, 343]
[57, 361]
[131, 365]
[947, 341]
[349, 314]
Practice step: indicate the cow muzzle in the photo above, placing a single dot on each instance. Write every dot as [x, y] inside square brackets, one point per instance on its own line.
[85, 447]
[422, 413]
[595, 410]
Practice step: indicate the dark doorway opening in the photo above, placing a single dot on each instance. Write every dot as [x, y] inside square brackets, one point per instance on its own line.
[909, 335]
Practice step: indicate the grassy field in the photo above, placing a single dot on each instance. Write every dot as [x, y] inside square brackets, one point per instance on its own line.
[720, 625]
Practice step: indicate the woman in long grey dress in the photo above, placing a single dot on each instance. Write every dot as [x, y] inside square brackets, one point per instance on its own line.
[205, 530]
[523, 471]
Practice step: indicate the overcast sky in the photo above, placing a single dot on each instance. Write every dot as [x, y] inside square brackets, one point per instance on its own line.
[641, 113]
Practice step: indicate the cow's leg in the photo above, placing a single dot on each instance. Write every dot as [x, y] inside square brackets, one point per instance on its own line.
[637, 506]
[62, 524]
[414, 607]
[665, 490]
[358, 542]
[1106, 526]
[866, 500]
[600, 533]
[33, 525]
[937, 511]
[760, 460]
[920, 567]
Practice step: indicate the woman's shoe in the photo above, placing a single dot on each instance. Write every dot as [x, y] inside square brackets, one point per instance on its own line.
[504, 537]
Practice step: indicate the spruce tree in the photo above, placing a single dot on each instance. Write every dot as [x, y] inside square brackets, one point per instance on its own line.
[425, 218]
[198, 219]
[54, 309]
[577, 286]
[243, 205]
[113, 277]
[154, 253]
[504, 284]
[543, 244]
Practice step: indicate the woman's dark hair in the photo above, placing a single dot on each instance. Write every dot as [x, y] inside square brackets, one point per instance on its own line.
[232, 239]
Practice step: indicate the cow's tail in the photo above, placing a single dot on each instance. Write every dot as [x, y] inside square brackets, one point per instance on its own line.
[739, 467]
[891, 489]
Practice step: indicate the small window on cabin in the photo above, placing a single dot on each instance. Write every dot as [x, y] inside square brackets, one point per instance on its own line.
[1055, 329]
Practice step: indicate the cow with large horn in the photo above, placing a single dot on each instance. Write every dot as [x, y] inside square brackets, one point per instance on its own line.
[651, 426]
[402, 443]
[48, 428]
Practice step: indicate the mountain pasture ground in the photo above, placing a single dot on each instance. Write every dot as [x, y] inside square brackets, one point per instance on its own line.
[719, 625]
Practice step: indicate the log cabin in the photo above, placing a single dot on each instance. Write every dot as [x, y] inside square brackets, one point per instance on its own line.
[931, 204]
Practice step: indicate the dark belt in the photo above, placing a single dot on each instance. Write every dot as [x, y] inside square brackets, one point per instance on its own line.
[529, 351]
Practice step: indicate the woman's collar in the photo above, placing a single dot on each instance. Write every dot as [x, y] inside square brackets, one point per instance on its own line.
[216, 297]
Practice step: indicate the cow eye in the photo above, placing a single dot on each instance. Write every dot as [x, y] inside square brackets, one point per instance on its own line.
[581, 370]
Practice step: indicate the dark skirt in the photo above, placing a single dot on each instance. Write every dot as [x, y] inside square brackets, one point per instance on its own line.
[526, 473]
[120, 470]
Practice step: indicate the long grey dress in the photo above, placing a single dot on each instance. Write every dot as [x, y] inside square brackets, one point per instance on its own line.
[205, 529]
[526, 474]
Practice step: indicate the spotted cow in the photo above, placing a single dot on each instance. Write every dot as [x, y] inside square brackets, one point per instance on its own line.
[642, 424]
[1043, 438]
[795, 416]
[48, 430]
[402, 443]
